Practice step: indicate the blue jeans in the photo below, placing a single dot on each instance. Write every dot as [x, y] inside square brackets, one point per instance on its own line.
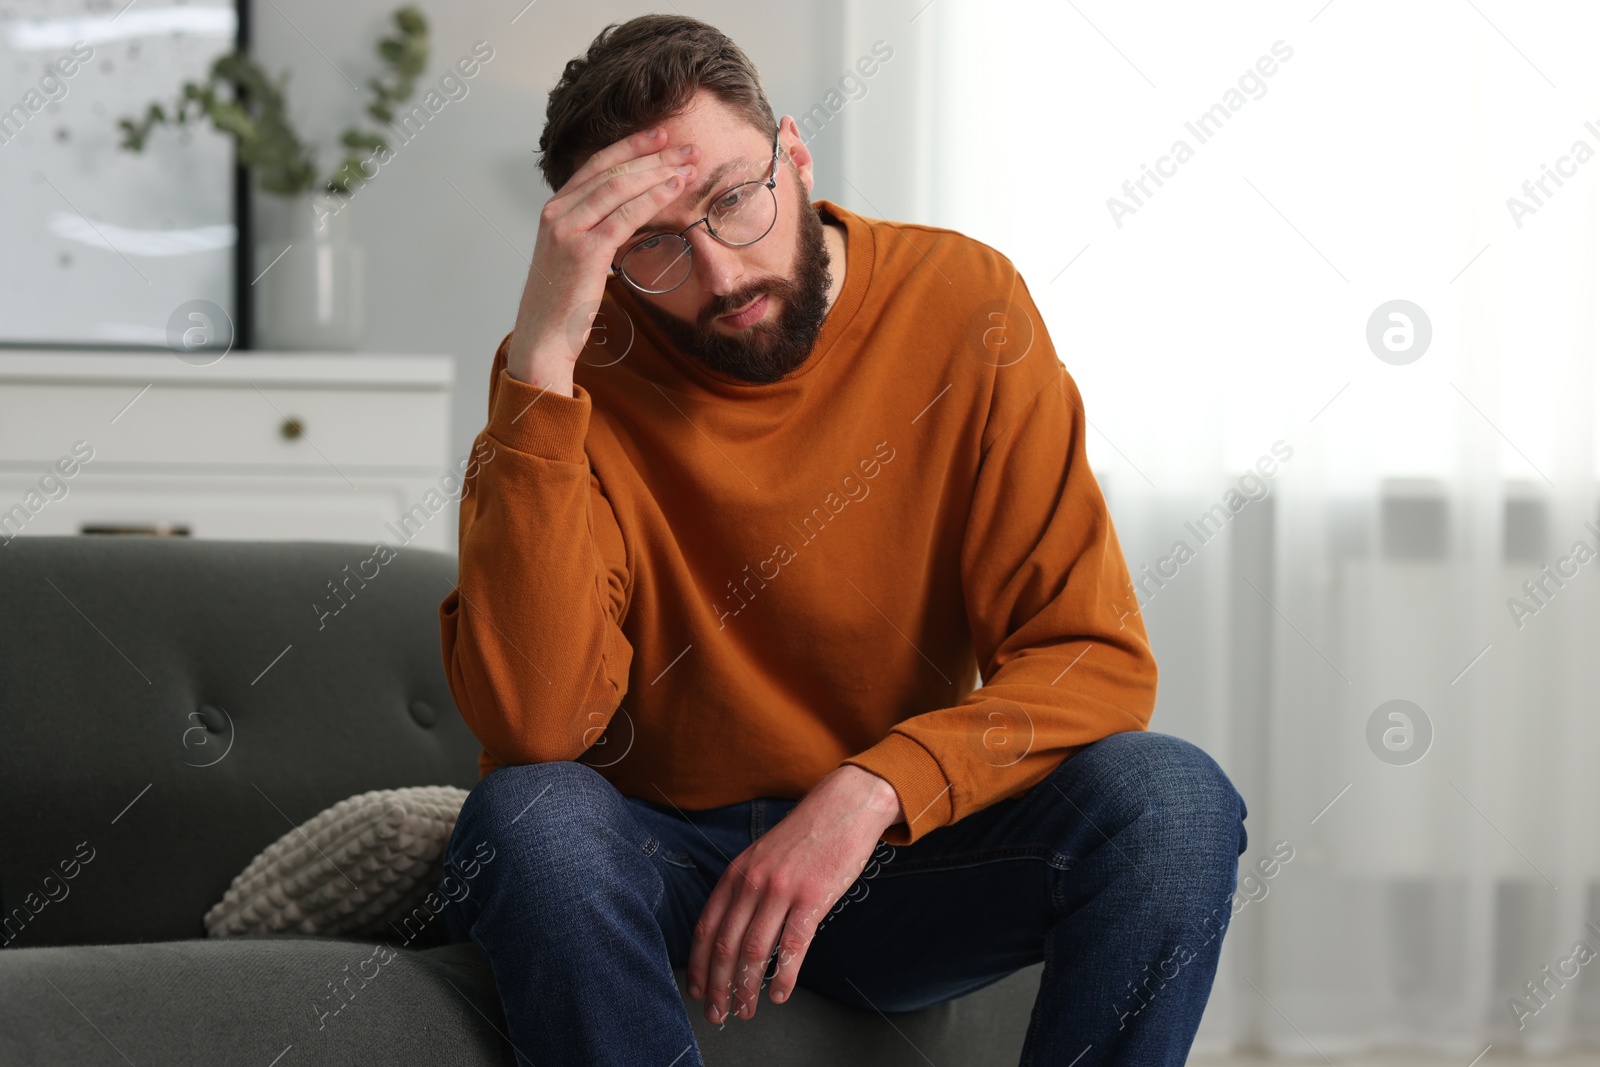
[1117, 871]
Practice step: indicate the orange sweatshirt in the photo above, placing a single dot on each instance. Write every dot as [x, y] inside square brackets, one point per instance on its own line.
[712, 591]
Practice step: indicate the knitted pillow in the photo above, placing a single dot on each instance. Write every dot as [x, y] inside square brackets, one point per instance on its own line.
[351, 870]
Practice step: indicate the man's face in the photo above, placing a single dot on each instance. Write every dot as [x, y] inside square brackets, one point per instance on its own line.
[787, 269]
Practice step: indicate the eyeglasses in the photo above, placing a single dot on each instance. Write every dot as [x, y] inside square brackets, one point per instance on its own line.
[741, 215]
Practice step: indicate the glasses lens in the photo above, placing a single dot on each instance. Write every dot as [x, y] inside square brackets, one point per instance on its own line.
[657, 264]
[741, 216]
[744, 213]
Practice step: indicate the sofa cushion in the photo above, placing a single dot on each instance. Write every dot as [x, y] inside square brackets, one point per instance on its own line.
[985, 1028]
[173, 706]
[314, 1000]
[354, 868]
[250, 1000]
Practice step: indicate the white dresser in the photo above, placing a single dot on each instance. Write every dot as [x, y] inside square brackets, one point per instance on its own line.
[256, 446]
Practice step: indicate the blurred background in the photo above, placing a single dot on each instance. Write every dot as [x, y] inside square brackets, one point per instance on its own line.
[1326, 273]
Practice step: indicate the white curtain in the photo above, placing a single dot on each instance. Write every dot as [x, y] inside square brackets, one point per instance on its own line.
[1228, 315]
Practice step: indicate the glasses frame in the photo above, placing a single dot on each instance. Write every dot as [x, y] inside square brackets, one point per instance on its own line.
[770, 184]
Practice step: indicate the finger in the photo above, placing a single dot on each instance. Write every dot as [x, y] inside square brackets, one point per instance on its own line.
[704, 929]
[632, 155]
[628, 148]
[636, 191]
[725, 944]
[798, 931]
[756, 950]
[617, 229]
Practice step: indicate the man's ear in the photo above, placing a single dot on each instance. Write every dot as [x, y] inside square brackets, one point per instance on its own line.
[789, 144]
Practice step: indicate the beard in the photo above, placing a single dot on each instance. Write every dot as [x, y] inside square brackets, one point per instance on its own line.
[766, 351]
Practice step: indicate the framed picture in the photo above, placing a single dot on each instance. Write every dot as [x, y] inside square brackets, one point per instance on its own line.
[105, 247]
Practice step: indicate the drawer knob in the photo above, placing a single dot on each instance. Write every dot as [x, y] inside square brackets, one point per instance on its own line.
[291, 428]
[153, 529]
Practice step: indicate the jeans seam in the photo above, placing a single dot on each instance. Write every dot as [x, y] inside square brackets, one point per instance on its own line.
[1056, 902]
[651, 848]
[1033, 1018]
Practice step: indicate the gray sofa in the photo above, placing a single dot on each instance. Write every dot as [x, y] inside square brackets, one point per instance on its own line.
[170, 707]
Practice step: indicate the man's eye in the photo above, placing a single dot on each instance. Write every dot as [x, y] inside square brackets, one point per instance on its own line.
[730, 200]
[650, 244]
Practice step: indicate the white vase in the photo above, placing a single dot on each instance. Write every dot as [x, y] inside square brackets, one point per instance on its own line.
[309, 289]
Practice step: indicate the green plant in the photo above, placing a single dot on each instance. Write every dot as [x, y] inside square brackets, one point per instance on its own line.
[243, 102]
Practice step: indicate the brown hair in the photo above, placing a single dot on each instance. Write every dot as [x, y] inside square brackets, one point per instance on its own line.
[634, 75]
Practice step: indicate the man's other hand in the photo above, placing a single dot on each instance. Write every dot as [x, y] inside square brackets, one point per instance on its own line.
[776, 891]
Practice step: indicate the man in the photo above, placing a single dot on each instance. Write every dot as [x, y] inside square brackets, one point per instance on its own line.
[774, 483]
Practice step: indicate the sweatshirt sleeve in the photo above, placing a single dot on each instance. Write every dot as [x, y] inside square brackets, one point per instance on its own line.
[1063, 652]
[531, 636]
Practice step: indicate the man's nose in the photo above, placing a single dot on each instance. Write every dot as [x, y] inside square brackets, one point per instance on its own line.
[716, 266]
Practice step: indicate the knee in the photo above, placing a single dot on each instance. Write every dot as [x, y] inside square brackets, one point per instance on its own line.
[535, 841]
[1172, 793]
[545, 817]
[518, 792]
